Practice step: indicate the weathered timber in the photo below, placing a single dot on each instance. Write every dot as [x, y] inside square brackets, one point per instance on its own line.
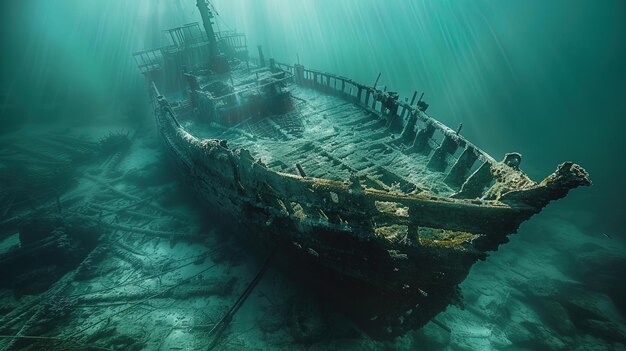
[385, 210]
[438, 160]
[461, 167]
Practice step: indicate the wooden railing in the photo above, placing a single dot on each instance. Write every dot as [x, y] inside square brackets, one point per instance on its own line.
[417, 130]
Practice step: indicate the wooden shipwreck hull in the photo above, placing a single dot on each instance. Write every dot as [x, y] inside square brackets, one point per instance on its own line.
[353, 185]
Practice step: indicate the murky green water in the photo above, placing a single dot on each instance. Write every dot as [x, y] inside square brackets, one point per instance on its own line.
[541, 78]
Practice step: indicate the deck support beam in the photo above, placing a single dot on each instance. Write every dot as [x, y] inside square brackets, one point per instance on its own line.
[437, 161]
[409, 129]
[475, 185]
[461, 168]
[420, 143]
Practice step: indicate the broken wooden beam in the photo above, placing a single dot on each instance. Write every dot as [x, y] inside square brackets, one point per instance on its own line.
[133, 197]
[219, 328]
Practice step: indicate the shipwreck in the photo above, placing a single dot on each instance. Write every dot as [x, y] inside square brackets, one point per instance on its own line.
[350, 183]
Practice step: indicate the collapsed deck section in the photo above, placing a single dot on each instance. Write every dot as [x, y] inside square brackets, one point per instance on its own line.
[334, 128]
[324, 136]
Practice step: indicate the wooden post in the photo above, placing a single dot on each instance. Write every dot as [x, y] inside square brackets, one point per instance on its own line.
[261, 57]
[299, 73]
[410, 105]
[272, 65]
[409, 128]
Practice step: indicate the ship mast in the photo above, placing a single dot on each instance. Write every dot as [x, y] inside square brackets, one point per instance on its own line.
[206, 14]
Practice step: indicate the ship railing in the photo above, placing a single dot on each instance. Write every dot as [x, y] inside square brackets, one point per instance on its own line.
[284, 67]
[232, 38]
[233, 42]
[187, 35]
[448, 150]
[149, 60]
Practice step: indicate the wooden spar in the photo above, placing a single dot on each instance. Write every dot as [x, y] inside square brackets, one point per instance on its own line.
[206, 15]
[219, 328]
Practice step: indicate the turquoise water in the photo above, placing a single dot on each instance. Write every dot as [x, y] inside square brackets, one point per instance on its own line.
[545, 79]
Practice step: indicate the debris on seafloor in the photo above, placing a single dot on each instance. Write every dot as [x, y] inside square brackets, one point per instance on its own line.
[81, 263]
[219, 328]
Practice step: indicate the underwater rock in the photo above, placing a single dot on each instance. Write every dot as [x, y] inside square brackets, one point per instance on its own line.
[491, 307]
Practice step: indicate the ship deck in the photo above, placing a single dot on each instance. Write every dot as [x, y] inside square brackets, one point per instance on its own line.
[332, 139]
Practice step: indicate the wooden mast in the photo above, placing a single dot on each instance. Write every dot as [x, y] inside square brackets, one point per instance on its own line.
[207, 15]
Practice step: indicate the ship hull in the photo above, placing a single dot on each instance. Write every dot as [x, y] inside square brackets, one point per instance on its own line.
[385, 289]
[390, 260]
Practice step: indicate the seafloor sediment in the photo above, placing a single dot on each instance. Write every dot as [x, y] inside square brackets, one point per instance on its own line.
[102, 248]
